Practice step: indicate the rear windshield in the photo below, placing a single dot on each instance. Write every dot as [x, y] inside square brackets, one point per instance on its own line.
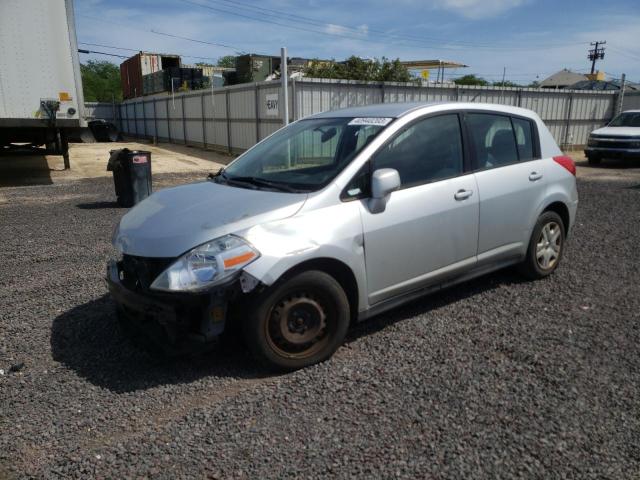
[626, 119]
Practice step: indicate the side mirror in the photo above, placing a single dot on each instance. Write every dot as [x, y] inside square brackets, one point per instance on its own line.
[383, 182]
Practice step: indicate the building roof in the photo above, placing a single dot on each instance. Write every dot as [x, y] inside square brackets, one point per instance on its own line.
[562, 79]
[603, 85]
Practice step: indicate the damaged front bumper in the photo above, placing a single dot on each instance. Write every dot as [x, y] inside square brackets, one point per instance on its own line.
[177, 322]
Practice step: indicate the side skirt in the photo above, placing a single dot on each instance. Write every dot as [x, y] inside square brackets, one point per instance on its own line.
[409, 296]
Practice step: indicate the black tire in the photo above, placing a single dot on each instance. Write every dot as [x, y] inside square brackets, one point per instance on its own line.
[594, 160]
[533, 266]
[300, 321]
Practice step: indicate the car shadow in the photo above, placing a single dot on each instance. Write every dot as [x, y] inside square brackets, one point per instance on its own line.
[98, 205]
[435, 300]
[88, 340]
[611, 163]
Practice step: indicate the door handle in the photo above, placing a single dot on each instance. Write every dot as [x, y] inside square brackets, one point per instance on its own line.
[533, 176]
[463, 194]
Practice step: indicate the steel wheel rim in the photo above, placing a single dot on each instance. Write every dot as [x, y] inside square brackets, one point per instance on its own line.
[298, 325]
[549, 245]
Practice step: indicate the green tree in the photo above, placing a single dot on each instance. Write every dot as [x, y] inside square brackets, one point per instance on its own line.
[470, 79]
[228, 61]
[534, 84]
[355, 68]
[101, 81]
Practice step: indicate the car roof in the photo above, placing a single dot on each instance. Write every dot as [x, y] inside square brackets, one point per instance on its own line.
[631, 111]
[397, 110]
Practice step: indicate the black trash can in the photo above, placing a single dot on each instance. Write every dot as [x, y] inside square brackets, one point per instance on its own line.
[103, 131]
[131, 175]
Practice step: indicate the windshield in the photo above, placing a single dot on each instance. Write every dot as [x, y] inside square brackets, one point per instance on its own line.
[628, 119]
[304, 156]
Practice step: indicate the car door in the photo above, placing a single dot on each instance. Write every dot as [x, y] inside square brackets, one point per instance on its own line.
[429, 228]
[511, 182]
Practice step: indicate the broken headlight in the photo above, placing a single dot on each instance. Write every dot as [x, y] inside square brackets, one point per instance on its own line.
[206, 265]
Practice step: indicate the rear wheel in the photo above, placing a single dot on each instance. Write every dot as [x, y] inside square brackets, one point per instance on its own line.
[545, 246]
[300, 322]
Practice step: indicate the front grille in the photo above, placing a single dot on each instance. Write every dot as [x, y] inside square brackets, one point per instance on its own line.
[138, 273]
[614, 142]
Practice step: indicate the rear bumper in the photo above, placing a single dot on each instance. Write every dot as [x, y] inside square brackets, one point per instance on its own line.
[612, 152]
[178, 322]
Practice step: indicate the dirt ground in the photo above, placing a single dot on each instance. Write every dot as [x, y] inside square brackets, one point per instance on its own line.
[89, 160]
[608, 170]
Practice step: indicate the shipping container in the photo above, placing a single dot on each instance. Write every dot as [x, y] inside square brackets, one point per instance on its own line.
[255, 68]
[135, 68]
[155, 83]
[173, 79]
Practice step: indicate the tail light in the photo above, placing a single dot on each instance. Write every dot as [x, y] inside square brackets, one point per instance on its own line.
[566, 162]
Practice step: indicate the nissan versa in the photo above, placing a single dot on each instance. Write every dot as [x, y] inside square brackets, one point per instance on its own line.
[341, 216]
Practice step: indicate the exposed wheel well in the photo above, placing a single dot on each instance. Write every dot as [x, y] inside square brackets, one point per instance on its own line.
[338, 270]
[562, 210]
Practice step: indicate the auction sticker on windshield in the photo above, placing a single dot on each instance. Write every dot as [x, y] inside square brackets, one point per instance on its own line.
[379, 121]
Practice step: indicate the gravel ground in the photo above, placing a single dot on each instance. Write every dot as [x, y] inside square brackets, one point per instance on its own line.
[495, 378]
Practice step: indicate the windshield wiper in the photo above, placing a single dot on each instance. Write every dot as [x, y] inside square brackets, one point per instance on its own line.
[260, 182]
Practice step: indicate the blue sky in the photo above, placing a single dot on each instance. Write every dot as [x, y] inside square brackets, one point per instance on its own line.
[530, 38]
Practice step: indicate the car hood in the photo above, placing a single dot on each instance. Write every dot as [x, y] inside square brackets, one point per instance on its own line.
[174, 220]
[618, 131]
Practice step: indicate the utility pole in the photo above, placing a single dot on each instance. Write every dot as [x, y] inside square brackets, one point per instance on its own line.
[620, 102]
[285, 88]
[504, 73]
[597, 53]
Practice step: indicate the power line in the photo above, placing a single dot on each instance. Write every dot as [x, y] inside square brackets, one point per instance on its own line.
[196, 40]
[270, 21]
[307, 30]
[156, 32]
[141, 50]
[279, 14]
[101, 53]
[109, 46]
[625, 53]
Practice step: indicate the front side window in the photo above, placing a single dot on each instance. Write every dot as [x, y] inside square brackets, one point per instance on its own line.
[492, 139]
[305, 156]
[426, 151]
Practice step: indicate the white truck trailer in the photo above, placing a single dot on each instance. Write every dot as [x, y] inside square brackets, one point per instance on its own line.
[41, 98]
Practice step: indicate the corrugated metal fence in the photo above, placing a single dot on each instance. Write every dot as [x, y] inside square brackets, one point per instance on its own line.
[235, 118]
[631, 101]
[102, 111]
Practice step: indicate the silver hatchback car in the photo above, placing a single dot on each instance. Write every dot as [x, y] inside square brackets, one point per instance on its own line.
[341, 216]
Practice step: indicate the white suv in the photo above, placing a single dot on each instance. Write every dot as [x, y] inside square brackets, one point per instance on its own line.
[619, 139]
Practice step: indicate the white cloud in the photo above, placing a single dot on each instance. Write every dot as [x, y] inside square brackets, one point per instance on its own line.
[477, 9]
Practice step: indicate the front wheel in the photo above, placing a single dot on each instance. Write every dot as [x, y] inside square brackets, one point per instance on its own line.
[545, 246]
[301, 321]
[594, 160]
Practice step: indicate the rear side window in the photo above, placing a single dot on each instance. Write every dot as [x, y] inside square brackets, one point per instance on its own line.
[493, 140]
[524, 138]
[427, 151]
